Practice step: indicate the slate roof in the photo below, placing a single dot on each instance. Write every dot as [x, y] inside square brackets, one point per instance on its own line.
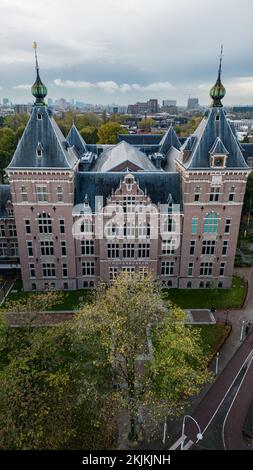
[122, 153]
[56, 150]
[170, 162]
[218, 148]
[5, 196]
[169, 140]
[214, 125]
[75, 139]
[141, 139]
[158, 186]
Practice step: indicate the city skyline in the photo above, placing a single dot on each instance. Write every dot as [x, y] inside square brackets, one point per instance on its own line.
[127, 53]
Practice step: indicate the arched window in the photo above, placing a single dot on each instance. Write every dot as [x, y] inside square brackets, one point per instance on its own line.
[86, 226]
[211, 223]
[129, 230]
[169, 224]
[143, 230]
[111, 230]
[45, 223]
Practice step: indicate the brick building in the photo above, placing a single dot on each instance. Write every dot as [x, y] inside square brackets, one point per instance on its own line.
[70, 208]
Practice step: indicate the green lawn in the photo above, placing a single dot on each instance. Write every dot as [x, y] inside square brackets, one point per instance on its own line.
[212, 337]
[71, 299]
[184, 298]
[206, 298]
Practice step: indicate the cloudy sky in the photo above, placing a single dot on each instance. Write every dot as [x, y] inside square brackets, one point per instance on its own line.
[121, 51]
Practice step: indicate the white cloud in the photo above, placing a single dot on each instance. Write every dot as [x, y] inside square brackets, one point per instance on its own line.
[22, 87]
[110, 86]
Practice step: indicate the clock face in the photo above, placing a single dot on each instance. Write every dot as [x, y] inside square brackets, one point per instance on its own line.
[218, 162]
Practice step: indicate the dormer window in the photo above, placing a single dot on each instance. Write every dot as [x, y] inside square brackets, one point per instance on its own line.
[39, 117]
[39, 150]
[218, 161]
[217, 118]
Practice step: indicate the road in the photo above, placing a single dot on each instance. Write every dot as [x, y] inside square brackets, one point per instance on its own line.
[221, 412]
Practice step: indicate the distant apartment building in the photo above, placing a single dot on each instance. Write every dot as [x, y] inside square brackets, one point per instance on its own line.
[169, 102]
[149, 107]
[22, 108]
[192, 103]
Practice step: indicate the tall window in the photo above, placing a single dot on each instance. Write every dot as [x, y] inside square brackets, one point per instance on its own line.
[190, 269]
[3, 249]
[129, 230]
[23, 194]
[208, 247]
[113, 272]
[168, 247]
[113, 250]
[45, 223]
[143, 230]
[27, 226]
[86, 227]
[194, 225]
[227, 225]
[170, 224]
[129, 203]
[47, 248]
[30, 248]
[88, 268]
[48, 269]
[128, 250]
[231, 195]
[211, 223]
[64, 270]
[224, 248]
[206, 269]
[222, 269]
[62, 225]
[167, 268]
[143, 250]
[197, 192]
[59, 194]
[2, 230]
[192, 247]
[32, 270]
[12, 230]
[42, 194]
[214, 195]
[63, 248]
[112, 230]
[14, 249]
[87, 247]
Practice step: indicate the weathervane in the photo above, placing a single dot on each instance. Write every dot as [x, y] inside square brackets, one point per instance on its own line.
[35, 46]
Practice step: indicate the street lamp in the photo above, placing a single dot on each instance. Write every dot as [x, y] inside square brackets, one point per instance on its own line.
[199, 435]
[242, 330]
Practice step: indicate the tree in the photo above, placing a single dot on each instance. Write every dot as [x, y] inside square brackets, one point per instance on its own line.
[54, 388]
[49, 398]
[146, 124]
[8, 143]
[89, 134]
[108, 132]
[121, 316]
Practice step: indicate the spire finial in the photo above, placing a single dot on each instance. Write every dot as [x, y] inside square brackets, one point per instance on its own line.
[35, 46]
[218, 91]
[221, 57]
[39, 90]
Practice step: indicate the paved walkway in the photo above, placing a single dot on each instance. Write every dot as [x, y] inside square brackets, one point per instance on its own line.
[223, 405]
[236, 317]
